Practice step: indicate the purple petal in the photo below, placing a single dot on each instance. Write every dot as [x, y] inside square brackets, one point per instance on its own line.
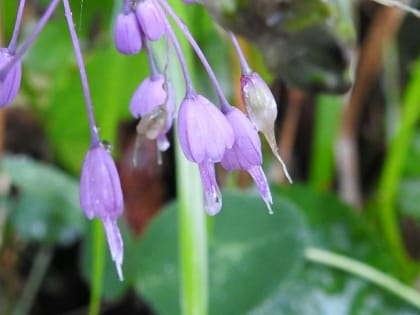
[203, 130]
[260, 180]
[190, 134]
[150, 17]
[127, 36]
[100, 188]
[246, 150]
[115, 244]
[212, 195]
[9, 87]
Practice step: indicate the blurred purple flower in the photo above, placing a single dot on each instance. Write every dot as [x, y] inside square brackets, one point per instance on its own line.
[101, 196]
[204, 134]
[245, 153]
[9, 86]
[150, 17]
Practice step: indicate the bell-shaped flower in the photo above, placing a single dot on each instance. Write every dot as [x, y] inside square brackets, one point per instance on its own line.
[204, 135]
[151, 19]
[262, 110]
[127, 35]
[153, 102]
[245, 153]
[101, 196]
[10, 84]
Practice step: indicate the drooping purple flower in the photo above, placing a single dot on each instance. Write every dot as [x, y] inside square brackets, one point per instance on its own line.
[127, 35]
[262, 110]
[205, 134]
[9, 86]
[245, 153]
[101, 196]
[153, 101]
[150, 17]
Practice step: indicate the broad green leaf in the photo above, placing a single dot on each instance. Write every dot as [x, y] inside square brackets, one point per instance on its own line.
[251, 255]
[46, 208]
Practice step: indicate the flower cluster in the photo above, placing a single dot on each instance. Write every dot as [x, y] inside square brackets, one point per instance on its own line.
[208, 133]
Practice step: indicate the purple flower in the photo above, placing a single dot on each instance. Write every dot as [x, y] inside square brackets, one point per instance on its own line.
[204, 134]
[150, 17]
[153, 102]
[101, 196]
[246, 153]
[262, 110]
[9, 86]
[127, 36]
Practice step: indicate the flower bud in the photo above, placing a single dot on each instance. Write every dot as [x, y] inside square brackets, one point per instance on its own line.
[9, 86]
[101, 196]
[150, 17]
[262, 110]
[127, 36]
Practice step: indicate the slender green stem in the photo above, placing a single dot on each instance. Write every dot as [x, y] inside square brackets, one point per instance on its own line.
[98, 261]
[193, 237]
[365, 272]
[38, 270]
[394, 163]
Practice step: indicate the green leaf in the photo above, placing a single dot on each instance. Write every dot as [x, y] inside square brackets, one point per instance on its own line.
[45, 57]
[46, 208]
[251, 255]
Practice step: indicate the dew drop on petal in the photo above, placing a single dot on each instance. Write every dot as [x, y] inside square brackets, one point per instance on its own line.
[213, 200]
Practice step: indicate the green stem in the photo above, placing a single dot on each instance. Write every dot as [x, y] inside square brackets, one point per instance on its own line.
[365, 272]
[192, 217]
[98, 261]
[327, 122]
[192, 238]
[394, 163]
[38, 270]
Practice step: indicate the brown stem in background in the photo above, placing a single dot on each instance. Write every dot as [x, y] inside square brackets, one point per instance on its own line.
[382, 30]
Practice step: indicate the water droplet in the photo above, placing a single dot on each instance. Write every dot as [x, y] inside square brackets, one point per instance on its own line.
[107, 146]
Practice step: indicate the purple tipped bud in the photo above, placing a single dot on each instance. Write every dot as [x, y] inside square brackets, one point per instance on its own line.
[101, 196]
[9, 86]
[246, 153]
[153, 102]
[127, 36]
[262, 110]
[151, 19]
[205, 134]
